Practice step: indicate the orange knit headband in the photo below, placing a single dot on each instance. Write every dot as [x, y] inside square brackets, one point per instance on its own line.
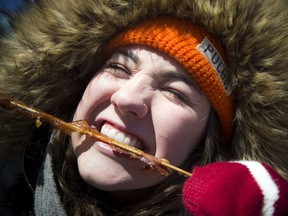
[196, 50]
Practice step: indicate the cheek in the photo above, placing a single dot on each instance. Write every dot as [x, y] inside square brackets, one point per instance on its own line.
[97, 94]
[179, 135]
[99, 90]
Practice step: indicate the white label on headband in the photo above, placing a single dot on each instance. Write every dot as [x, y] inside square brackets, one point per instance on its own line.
[215, 59]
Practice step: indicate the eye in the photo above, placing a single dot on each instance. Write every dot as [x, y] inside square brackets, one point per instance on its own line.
[118, 70]
[176, 95]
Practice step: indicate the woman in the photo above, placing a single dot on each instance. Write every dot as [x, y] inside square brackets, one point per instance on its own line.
[111, 65]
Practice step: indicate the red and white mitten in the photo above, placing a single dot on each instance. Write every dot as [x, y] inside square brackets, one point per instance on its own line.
[236, 188]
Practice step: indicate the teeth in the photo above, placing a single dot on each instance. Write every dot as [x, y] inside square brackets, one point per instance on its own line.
[112, 133]
[121, 136]
[127, 140]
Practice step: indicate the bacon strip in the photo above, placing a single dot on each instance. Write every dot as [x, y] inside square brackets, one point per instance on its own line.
[162, 166]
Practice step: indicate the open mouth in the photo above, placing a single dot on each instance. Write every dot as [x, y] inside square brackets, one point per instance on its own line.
[121, 136]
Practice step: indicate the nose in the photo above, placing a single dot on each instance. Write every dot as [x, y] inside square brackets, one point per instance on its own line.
[132, 98]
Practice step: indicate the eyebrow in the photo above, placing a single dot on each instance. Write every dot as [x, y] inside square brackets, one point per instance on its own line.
[178, 76]
[167, 74]
[129, 54]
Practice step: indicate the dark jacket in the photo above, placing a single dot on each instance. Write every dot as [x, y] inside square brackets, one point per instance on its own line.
[15, 196]
[18, 175]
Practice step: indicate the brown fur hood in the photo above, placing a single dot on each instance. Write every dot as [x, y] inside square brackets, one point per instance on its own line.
[56, 48]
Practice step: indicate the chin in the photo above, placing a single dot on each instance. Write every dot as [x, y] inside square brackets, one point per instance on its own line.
[119, 178]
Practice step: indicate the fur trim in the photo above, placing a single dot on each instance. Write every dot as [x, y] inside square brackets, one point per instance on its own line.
[56, 47]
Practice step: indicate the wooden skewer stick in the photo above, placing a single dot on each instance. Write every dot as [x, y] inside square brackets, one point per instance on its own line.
[82, 127]
[181, 171]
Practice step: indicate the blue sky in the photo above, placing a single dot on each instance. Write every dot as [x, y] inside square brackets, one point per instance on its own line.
[11, 5]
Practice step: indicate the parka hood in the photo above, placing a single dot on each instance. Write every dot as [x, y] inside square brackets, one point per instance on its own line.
[56, 48]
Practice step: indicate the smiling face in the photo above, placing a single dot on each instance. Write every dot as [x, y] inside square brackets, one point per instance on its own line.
[145, 99]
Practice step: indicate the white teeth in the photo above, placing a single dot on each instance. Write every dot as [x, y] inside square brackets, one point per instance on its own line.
[104, 129]
[120, 136]
[127, 140]
[112, 133]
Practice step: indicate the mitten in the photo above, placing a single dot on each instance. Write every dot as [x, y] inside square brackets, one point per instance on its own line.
[235, 188]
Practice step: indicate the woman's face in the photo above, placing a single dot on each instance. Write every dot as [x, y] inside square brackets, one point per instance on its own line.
[143, 98]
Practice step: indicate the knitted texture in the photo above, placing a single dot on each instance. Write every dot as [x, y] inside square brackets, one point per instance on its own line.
[47, 200]
[236, 188]
[196, 50]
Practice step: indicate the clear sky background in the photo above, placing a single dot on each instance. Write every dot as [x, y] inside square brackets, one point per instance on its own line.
[11, 5]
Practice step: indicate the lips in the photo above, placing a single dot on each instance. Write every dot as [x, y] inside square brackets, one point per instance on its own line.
[121, 136]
